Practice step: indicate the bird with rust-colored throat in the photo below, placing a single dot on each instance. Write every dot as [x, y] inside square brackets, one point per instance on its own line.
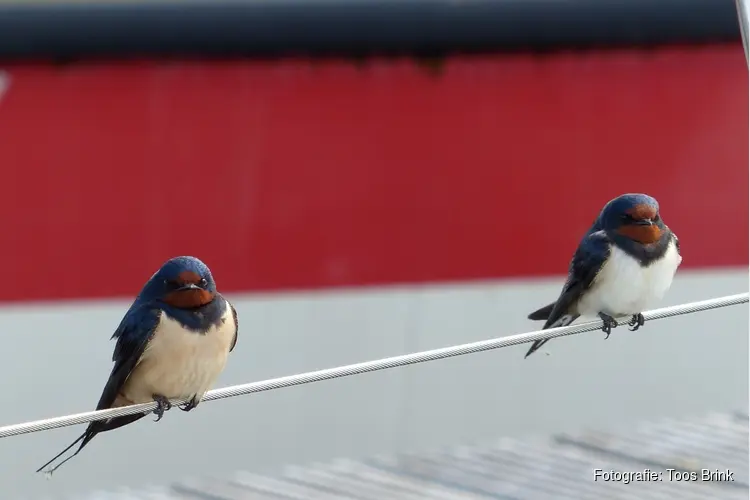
[625, 262]
[172, 344]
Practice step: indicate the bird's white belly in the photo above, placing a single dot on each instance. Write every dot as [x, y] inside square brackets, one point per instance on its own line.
[623, 287]
[178, 363]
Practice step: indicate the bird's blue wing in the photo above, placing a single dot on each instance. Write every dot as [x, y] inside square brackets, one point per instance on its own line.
[592, 253]
[133, 334]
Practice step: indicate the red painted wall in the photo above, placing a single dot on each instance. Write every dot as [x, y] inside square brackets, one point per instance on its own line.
[300, 174]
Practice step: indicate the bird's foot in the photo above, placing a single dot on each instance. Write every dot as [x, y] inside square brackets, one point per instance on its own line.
[609, 323]
[636, 322]
[162, 405]
[189, 405]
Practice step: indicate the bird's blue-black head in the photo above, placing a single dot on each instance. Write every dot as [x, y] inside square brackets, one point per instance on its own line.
[634, 216]
[181, 282]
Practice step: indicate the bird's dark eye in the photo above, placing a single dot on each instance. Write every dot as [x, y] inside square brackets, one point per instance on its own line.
[656, 219]
[626, 217]
[203, 283]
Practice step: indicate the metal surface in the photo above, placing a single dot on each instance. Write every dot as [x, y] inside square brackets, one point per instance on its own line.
[371, 366]
[560, 467]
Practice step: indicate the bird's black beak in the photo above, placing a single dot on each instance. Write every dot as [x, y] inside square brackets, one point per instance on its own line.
[188, 286]
[644, 222]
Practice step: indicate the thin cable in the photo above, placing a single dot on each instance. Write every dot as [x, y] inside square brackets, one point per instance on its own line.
[743, 15]
[371, 366]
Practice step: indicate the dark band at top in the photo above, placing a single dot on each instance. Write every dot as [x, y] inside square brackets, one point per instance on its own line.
[270, 28]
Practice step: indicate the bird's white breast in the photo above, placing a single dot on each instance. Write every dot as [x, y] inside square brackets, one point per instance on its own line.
[624, 287]
[179, 363]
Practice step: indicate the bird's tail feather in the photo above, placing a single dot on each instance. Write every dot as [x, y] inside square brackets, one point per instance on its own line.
[543, 313]
[92, 430]
[564, 320]
[534, 347]
[83, 439]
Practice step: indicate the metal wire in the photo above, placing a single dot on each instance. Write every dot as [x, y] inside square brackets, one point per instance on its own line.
[743, 14]
[371, 366]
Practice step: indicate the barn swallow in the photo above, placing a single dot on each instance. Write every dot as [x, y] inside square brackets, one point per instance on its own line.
[172, 344]
[625, 262]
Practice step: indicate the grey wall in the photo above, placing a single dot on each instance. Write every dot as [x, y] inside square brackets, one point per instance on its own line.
[56, 360]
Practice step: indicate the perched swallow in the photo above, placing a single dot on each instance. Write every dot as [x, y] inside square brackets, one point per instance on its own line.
[172, 344]
[625, 262]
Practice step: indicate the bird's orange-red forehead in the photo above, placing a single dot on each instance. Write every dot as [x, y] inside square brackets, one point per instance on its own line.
[642, 211]
[189, 278]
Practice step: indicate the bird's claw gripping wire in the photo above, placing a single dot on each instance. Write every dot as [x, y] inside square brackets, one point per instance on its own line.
[609, 323]
[636, 322]
[189, 405]
[162, 405]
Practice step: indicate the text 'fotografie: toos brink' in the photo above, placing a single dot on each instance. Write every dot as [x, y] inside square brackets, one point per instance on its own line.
[663, 475]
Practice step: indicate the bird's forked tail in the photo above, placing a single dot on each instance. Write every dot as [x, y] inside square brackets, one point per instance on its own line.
[84, 439]
[563, 320]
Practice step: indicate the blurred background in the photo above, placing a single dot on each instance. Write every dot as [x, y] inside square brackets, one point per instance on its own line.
[367, 179]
